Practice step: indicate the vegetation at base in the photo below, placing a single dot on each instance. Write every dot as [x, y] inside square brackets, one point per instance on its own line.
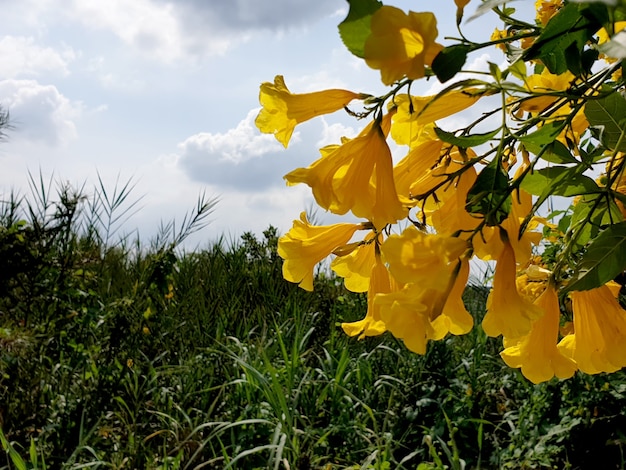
[115, 354]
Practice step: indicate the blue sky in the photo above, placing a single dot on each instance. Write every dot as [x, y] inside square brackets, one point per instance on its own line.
[166, 93]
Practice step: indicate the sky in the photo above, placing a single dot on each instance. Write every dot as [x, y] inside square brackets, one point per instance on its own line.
[164, 94]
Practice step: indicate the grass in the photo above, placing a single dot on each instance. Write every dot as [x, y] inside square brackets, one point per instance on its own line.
[115, 354]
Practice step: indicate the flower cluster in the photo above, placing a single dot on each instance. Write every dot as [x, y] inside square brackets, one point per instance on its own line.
[457, 196]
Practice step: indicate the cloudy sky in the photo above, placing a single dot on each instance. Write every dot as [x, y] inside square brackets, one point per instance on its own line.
[165, 93]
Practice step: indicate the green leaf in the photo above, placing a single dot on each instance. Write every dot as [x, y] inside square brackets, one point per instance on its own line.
[465, 141]
[559, 181]
[604, 259]
[449, 61]
[545, 134]
[489, 196]
[585, 225]
[566, 34]
[608, 116]
[355, 28]
[554, 152]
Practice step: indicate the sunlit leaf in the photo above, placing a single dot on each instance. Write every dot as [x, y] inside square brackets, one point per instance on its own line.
[565, 36]
[608, 116]
[465, 141]
[355, 28]
[603, 260]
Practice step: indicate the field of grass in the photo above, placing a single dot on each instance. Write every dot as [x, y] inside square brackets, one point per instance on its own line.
[116, 354]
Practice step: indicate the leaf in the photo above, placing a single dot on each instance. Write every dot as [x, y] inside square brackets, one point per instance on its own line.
[586, 225]
[608, 115]
[450, 61]
[556, 181]
[545, 134]
[489, 195]
[554, 152]
[604, 259]
[355, 28]
[465, 141]
[567, 33]
[559, 181]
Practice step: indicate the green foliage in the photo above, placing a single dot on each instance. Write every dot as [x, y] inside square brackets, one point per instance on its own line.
[159, 358]
[355, 28]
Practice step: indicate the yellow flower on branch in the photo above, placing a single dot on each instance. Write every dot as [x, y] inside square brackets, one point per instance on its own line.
[400, 44]
[356, 267]
[417, 314]
[536, 353]
[598, 343]
[546, 9]
[508, 313]
[372, 324]
[356, 176]
[422, 258]
[305, 245]
[283, 110]
[416, 114]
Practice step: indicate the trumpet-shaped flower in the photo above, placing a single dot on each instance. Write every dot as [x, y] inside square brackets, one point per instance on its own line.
[422, 258]
[356, 267]
[418, 314]
[508, 313]
[536, 353]
[283, 110]
[356, 176]
[415, 114]
[489, 245]
[305, 245]
[372, 324]
[417, 167]
[401, 45]
[598, 343]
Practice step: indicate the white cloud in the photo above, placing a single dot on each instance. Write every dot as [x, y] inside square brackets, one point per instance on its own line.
[236, 145]
[39, 113]
[233, 158]
[21, 56]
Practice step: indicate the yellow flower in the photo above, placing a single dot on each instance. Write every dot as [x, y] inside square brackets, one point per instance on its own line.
[401, 44]
[508, 313]
[603, 34]
[546, 9]
[305, 245]
[417, 166]
[497, 35]
[455, 318]
[415, 113]
[536, 353]
[422, 258]
[356, 267]
[545, 82]
[417, 314]
[598, 343]
[356, 176]
[283, 110]
[372, 325]
[488, 245]
[450, 214]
